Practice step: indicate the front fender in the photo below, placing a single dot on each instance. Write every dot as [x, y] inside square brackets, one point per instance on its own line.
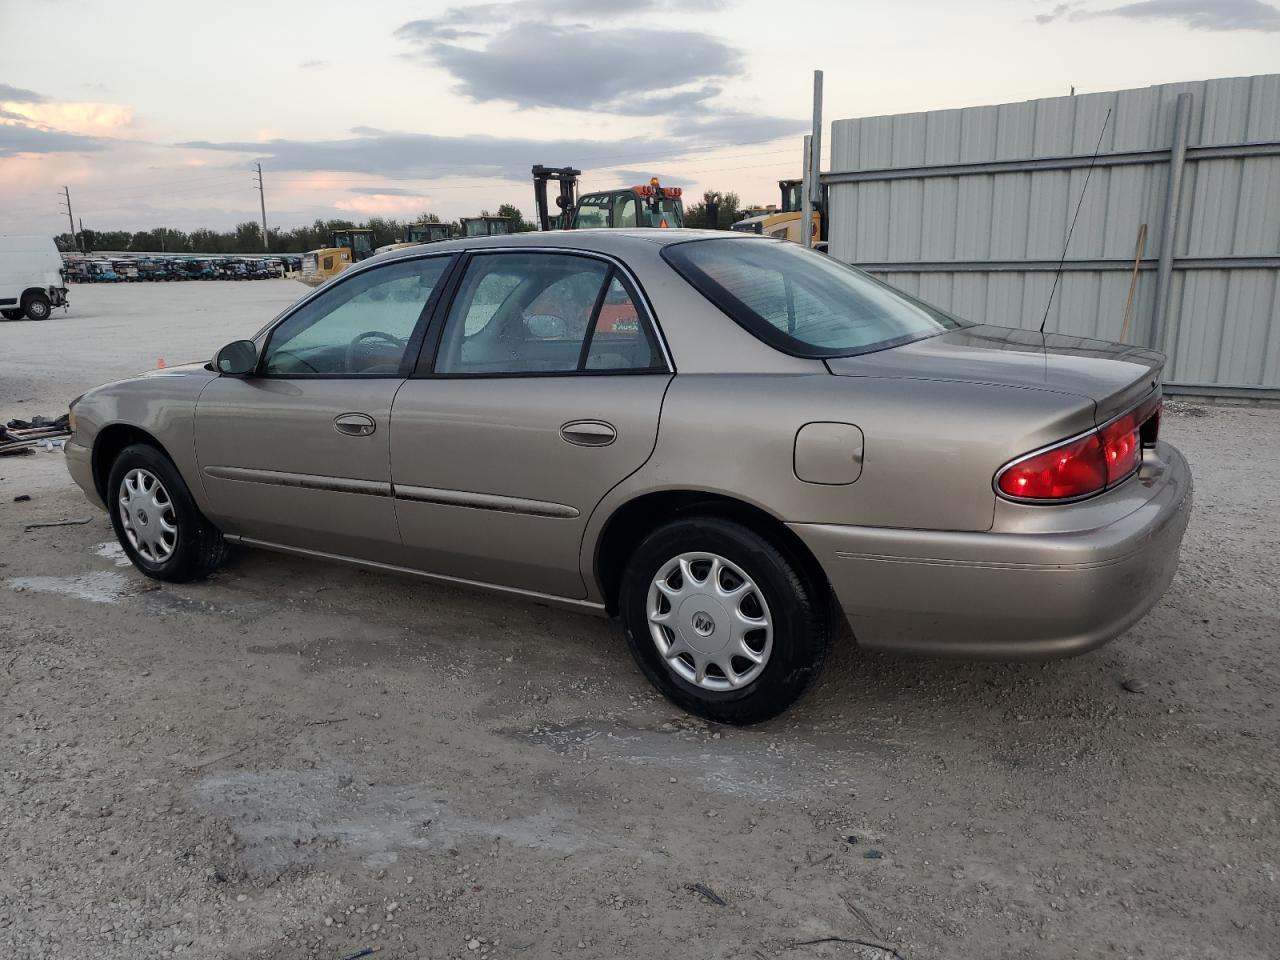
[161, 404]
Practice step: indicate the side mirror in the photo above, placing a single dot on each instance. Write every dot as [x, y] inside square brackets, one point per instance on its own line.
[546, 327]
[237, 359]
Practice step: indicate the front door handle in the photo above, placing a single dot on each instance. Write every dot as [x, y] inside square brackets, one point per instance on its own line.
[354, 424]
[589, 433]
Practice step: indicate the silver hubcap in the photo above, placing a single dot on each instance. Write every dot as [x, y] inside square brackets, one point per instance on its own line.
[146, 513]
[709, 621]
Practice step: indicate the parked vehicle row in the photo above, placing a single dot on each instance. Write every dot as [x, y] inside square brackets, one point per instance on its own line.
[153, 269]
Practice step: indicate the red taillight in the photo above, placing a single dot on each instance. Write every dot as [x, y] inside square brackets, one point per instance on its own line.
[1122, 445]
[1085, 465]
[1074, 469]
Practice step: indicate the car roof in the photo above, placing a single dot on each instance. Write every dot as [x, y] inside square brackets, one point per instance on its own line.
[615, 241]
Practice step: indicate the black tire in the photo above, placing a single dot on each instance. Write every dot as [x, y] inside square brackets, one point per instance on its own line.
[796, 601]
[11, 314]
[199, 548]
[37, 306]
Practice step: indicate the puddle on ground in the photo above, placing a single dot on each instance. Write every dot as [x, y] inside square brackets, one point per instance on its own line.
[756, 767]
[112, 551]
[287, 817]
[103, 586]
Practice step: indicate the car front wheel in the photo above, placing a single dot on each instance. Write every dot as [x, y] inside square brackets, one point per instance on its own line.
[156, 520]
[37, 307]
[721, 620]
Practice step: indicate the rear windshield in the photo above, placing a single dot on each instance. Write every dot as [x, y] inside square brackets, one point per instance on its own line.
[801, 302]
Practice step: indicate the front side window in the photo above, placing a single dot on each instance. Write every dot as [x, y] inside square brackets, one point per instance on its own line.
[543, 313]
[360, 327]
[592, 212]
[804, 303]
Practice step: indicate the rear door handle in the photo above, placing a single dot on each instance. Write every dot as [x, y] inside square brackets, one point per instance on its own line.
[588, 433]
[354, 424]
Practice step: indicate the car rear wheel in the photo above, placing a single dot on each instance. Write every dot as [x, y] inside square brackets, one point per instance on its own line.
[156, 520]
[37, 306]
[721, 620]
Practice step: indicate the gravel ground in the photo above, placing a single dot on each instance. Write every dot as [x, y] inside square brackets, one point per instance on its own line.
[299, 760]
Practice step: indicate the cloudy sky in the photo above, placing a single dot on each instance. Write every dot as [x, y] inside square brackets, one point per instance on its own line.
[154, 113]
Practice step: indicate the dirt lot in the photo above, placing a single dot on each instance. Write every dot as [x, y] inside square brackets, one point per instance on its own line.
[300, 760]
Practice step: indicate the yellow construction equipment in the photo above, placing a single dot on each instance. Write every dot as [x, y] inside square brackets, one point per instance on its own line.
[424, 231]
[784, 221]
[345, 248]
[485, 226]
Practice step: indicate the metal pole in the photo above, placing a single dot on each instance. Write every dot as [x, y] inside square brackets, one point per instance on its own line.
[262, 201]
[1169, 226]
[815, 156]
[806, 203]
[812, 165]
[70, 219]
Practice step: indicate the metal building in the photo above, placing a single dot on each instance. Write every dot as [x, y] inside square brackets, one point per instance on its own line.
[1179, 227]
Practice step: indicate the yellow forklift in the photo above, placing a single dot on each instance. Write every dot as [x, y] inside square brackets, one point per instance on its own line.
[345, 248]
[784, 221]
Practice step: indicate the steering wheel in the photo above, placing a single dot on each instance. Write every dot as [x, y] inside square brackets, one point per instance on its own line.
[370, 335]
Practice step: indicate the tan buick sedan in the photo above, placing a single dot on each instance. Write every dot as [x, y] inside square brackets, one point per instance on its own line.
[721, 439]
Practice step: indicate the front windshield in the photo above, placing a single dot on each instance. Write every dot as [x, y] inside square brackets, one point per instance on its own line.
[669, 212]
[802, 302]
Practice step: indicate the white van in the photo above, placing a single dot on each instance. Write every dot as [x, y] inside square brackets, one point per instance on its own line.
[32, 282]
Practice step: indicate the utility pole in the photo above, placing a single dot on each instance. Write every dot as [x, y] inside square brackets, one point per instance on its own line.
[66, 195]
[262, 202]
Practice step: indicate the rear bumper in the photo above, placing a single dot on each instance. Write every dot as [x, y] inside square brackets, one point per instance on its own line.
[80, 466]
[1009, 595]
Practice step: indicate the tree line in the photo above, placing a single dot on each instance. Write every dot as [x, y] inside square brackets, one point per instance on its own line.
[247, 236]
[729, 210]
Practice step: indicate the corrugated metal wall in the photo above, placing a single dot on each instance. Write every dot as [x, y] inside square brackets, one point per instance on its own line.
[936, 233]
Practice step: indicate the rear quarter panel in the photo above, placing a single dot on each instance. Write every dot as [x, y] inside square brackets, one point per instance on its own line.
[931, 447]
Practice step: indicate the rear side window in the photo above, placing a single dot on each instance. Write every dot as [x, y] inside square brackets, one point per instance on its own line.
[543, 313]
[801, 302]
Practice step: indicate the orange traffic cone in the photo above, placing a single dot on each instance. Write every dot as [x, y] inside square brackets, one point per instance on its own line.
[160, 363]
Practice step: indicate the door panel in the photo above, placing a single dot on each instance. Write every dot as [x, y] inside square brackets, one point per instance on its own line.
[299, 454]
[488, 489]
[278, 465]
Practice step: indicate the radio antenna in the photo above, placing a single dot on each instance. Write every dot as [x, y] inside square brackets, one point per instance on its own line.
[1072, 229]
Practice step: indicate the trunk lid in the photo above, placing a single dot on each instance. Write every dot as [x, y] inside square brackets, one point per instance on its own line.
[1114, 376]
